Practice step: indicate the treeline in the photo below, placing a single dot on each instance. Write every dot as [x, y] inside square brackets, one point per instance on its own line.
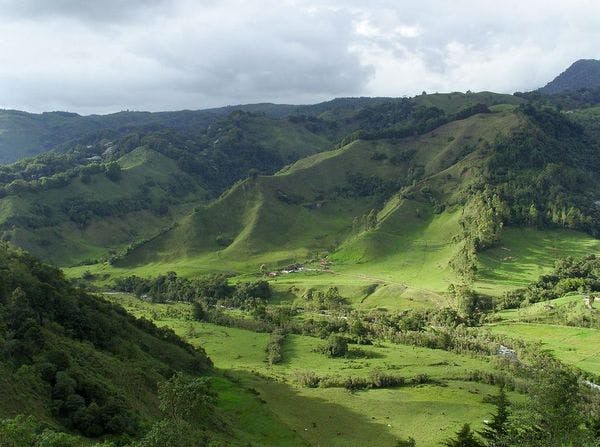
[560, 411]
[416, 121]
[376, 380]
[212, 290]
[585, 97]
[15, 181]
[569, 275]
[547, 174]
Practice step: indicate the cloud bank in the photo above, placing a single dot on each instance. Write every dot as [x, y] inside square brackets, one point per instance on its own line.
[98, 57]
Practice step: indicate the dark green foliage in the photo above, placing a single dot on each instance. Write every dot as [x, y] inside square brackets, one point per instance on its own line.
[53, 328]
[188, 414]
[336, 346]
[24, 431]
[472, 305]
[533, 168]
[496, 431]
[113, 171]
[410, 442]
[275, 347]
[325, 300]
[465, 437]
[210, 290]
[554, 415]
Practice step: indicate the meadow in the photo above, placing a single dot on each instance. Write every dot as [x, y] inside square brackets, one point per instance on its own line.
[428, 412]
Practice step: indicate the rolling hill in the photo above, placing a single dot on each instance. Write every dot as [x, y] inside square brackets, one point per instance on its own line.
[68, 208]
[355, 270]
[393, 208]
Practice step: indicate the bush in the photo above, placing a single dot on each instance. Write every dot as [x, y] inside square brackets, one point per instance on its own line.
[336, 346]
[274, 347]
[307, 378]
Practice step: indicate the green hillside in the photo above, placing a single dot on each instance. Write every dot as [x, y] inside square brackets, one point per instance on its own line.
[70, 209]
[359, 271]
[409, 215]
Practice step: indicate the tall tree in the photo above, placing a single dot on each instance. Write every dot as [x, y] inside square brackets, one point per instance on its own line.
[465, 437]
[495, 432]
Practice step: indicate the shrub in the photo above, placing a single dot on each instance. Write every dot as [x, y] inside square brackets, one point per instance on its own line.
[336, 346]
[274, 347]
[307, 378]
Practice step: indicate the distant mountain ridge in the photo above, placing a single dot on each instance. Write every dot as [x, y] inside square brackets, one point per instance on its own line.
[582, 74]
[24, 134]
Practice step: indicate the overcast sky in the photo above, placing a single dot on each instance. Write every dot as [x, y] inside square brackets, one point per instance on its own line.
[102, 56]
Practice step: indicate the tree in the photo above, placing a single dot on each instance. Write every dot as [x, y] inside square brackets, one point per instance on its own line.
[188, 407]
[113, 171]
[188, 399]
[410, 442]
[372, 220]
[199, 311]
[532, 215]
[553, 416]
[464, 438]
[336, 346]
[496, 430]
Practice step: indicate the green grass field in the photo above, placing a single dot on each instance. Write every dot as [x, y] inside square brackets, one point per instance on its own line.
[338, 417]
[575, 346]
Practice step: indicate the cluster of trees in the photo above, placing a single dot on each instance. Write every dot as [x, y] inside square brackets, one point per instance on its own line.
[420, 120]
[531, 179]
[546, 174]
[569, 275]
[576, 99]
[365, 222]
[329, 299]
[375, 380]
[357, 185]
[560, 411]
[210, 290]
[49, 329]
[274, 347]
[480, 226]
[188, 418]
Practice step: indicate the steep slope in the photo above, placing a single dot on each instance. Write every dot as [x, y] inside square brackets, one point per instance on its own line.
[75, 360]
[71, 208]
[322, 202]
[417, 210]
[582, 74]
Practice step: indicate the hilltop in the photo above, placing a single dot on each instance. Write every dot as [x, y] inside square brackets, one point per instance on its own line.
[582, 74]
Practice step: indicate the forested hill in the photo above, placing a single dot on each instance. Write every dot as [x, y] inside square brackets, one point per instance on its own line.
[25, 134]
[112, 191]
[480, 170]
[582, 74]
[76, 361]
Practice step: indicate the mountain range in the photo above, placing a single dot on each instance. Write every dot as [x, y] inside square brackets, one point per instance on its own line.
[206, 253]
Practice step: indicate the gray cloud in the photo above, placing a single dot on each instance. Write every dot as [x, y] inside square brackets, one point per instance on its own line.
[88, 10]
[171, 54]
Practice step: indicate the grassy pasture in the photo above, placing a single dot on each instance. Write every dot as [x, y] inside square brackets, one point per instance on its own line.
[573, 345]
[334, 416]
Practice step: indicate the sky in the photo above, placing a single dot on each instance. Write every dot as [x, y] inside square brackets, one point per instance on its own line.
[110, 55]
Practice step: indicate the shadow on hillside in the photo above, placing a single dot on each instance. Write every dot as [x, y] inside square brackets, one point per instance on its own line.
[317, 420]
